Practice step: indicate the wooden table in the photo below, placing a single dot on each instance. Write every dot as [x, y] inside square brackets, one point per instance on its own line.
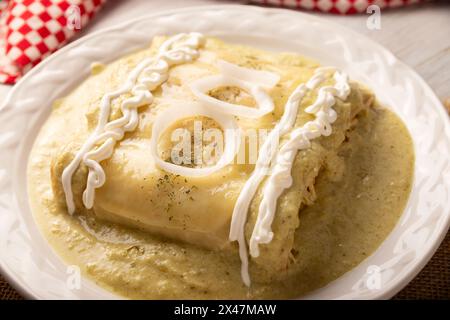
[418, 35]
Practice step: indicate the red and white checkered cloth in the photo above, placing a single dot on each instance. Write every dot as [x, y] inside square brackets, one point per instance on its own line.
[338, 6]
[31, 30]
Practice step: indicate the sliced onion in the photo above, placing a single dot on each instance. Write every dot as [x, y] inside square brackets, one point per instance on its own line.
[253, 81]
[263, 100]
[185, 110]
[265, 79]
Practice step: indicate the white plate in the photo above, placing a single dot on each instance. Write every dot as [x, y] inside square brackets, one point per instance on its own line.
[30, 264]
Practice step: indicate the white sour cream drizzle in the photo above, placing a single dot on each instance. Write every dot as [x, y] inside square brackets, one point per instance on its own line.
[144, 78]
[279, 162]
